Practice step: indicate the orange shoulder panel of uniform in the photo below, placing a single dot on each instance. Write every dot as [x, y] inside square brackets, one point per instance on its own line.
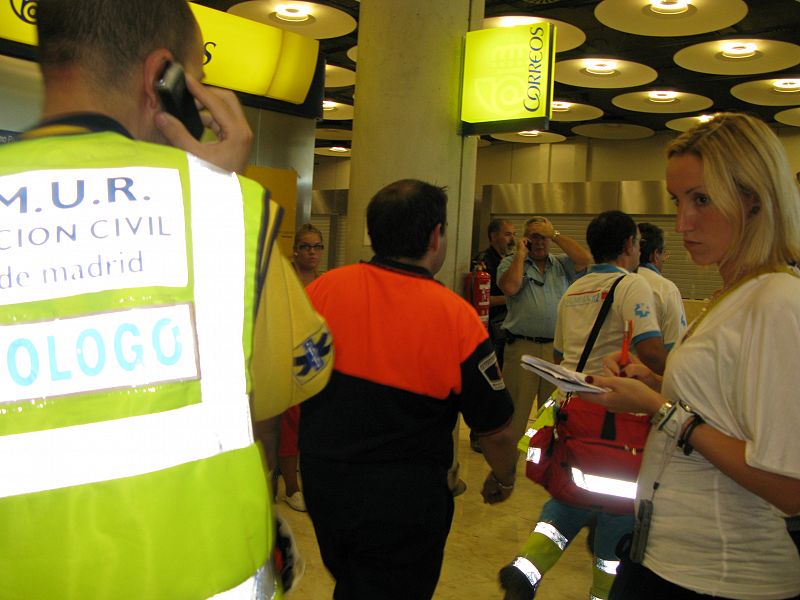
[397, 329]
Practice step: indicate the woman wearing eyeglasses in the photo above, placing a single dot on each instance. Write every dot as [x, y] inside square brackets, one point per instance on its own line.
[308, 249]
[721, 466]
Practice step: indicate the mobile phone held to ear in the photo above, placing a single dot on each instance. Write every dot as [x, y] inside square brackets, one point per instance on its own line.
[176, 98]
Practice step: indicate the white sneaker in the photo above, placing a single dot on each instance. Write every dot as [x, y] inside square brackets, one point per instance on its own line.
[297, 502]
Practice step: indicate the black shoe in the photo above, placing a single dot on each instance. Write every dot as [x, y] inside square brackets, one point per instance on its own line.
[515, 584]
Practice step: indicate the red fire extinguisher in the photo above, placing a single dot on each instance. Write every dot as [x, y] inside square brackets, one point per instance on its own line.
[478, 289]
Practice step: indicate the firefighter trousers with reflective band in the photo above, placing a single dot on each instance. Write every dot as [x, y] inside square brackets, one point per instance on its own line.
[558, 525]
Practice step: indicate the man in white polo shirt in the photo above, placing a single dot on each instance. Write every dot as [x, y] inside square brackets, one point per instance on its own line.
[669, 304]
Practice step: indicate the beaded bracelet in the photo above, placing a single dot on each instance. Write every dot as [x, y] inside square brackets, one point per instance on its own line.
[683, 442]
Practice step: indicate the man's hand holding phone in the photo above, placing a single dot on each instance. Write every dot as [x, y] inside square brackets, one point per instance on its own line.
[222, 113]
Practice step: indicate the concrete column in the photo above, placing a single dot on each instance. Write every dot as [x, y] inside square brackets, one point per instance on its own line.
[406, 121]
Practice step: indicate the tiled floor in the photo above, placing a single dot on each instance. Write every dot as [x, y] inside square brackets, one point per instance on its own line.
[482, 539]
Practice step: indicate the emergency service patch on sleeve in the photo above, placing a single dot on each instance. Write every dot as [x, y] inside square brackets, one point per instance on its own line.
[491, 372]
[311, 356]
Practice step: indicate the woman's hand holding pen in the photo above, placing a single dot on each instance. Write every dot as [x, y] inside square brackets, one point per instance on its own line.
[626, 395]
[634, 369]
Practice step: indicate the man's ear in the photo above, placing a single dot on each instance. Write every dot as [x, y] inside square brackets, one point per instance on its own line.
[152, 68]
[629, 246]
[435, 239]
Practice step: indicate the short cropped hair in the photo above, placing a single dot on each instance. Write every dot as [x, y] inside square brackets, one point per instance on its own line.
[111, 37]
[303, 229]
[607, 234]
[743, 159]
[402, 216]
[494, 226]
[652, 241]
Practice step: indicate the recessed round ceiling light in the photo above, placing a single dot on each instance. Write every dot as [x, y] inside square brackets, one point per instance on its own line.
[786, 85]
[705, 118]
[328, 105]
[559, 106]
[529, 133]
[662, 96]
[339, 149]
[292, 12]
[669, 7]
[600, 67]
[739, 50]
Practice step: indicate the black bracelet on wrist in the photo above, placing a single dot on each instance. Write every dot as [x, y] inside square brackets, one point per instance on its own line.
[683, 442]
[500, 484]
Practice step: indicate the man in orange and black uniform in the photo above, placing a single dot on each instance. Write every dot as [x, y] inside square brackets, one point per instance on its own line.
[377, 442]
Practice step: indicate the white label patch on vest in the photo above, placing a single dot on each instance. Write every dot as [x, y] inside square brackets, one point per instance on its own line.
[77, 231]
[128, 348]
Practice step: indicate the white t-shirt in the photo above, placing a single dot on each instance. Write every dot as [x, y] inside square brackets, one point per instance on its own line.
[578, 309]
[738, 369]
[669, 305]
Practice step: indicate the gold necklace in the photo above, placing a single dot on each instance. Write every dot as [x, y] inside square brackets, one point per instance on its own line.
[718, 296]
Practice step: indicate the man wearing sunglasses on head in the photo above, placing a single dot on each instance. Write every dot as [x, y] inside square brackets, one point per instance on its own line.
[533, 281]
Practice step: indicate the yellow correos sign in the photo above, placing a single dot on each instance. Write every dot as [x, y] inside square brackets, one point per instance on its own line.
[18, 21]
[255, 58]
[241, 54]
[508, 79]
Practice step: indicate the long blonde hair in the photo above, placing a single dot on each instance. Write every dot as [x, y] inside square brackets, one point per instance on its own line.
[743, 159]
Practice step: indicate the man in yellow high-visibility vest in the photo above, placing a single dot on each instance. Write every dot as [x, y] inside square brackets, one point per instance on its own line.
[139, 295]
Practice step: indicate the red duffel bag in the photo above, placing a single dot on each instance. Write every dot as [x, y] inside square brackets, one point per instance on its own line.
[596, 457]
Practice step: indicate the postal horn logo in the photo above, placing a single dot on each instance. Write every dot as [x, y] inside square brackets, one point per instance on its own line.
[25, 10]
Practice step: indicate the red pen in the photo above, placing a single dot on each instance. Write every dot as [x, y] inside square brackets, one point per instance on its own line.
[624, 358]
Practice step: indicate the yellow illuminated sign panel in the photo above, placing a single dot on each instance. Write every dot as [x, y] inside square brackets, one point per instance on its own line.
[508, 79]
[241, 54]
[255, 58]
[18, 21]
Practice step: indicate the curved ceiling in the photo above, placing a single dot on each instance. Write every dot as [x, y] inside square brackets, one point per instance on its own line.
[682, 53]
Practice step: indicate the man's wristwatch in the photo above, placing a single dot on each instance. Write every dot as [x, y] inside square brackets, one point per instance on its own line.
[556, 234]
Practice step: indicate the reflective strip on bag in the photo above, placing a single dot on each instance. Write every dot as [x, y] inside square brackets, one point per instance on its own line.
[604, 485]
[261, 586]
[553, 534]
[107, 450]
[528, 569]
[607, 566]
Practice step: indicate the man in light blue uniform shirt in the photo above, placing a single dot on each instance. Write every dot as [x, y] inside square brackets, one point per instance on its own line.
[533, 281]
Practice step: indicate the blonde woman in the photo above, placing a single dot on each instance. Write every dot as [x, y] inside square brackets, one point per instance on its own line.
[308, 249]
[722, 464]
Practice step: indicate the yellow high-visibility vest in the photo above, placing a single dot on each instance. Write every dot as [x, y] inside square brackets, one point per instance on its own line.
[129, 274]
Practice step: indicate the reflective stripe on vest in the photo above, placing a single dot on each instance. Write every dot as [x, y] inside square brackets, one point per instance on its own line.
[528, 569]
[606, 566]
[604, 485]
[534, 455]
[549, 531]
[69, 456]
